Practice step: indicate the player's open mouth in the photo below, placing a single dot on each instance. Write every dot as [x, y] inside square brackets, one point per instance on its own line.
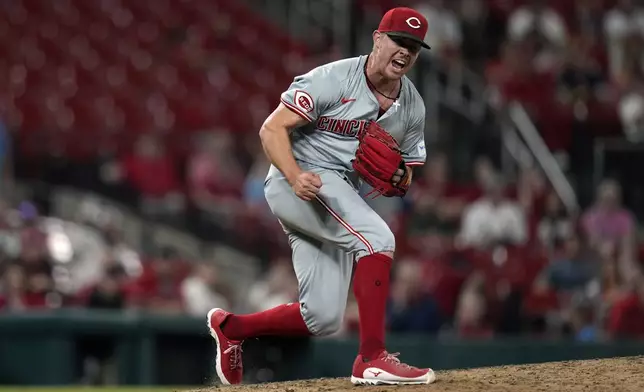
[398, 64]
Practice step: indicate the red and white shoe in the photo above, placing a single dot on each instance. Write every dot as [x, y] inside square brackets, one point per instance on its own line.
[229, 352]
[387, 369]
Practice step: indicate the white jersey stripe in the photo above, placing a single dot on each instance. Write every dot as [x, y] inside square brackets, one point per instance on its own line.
[297, 110]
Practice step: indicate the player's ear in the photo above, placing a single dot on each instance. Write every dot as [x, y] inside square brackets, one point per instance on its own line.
[377, 35]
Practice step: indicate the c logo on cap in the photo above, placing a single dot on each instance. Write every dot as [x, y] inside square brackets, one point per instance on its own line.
[416, 24]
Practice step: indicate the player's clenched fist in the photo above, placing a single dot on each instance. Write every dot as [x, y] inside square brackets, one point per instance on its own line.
[307, 185]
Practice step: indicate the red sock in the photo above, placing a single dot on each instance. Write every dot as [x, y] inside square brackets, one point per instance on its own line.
[371, 288]
[282, 320]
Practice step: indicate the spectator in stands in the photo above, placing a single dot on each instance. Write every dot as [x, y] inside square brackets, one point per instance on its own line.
[588, 22]
[543, 29]
[612, 281]
[445, 270]
[41, 291]
[277, 287]
[446, 35]
[480, 34]
[152, 172]
[259, 227]
[588, 18]
[159, 287]
[537, 21]
[128, 258]
[484, 172]
[215, 179]
[202, 290]
[411, 309]
[471, 318]
[555, 224]
[623, 28]
[517, 78]
[436, 203]
[4, 215]
[5, 160]
[581, 76]
[530, 193]
[13, 287]
[108, 293]
[254, 185]
[626, 318]
[512, 60]
[631, 110]
[571, 270]
[607, 220]
[10, 240]
[31, 234]
[34, 257]
[493, 219]
[27, 283]
[584, 326]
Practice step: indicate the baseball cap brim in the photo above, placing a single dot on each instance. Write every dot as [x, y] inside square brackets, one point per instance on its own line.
[412, 37]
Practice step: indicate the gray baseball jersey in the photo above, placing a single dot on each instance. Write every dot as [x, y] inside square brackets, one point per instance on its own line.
[336, 100]
[329, 234]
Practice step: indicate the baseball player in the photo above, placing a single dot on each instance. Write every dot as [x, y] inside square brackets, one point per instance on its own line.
[349, 121]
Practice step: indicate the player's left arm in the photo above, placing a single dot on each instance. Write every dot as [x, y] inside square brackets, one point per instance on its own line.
[413, 144]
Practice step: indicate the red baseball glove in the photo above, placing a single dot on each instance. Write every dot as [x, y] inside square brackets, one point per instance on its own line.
[378, 158]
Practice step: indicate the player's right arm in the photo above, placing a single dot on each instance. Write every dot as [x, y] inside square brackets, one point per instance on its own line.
[274, 135]
[308, 97]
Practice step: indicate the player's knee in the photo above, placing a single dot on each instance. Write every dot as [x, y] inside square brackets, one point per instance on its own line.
[321, 321]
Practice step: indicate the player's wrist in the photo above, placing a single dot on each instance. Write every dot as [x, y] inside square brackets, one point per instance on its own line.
[292, 176]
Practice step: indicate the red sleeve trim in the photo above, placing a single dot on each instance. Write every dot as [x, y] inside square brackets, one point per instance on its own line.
[297, 110]
[415, 163]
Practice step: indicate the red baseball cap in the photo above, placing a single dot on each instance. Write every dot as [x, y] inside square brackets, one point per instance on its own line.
[406, 23]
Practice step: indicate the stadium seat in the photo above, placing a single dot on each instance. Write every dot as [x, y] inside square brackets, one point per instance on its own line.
[87, 50]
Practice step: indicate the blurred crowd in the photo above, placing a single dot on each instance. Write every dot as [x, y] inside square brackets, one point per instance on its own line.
[492, 256]
[479, 259]
[575, 66]
[48, 263]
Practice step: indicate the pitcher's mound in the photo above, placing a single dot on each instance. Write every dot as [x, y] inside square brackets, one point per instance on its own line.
[611, 375]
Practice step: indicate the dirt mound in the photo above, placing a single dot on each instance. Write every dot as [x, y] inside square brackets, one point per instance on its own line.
[612, 375]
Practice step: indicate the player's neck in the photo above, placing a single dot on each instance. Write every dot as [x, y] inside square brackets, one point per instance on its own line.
[378, 80]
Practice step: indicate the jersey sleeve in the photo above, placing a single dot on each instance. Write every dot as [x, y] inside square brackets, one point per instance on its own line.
[413, 145]
[311, 94]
